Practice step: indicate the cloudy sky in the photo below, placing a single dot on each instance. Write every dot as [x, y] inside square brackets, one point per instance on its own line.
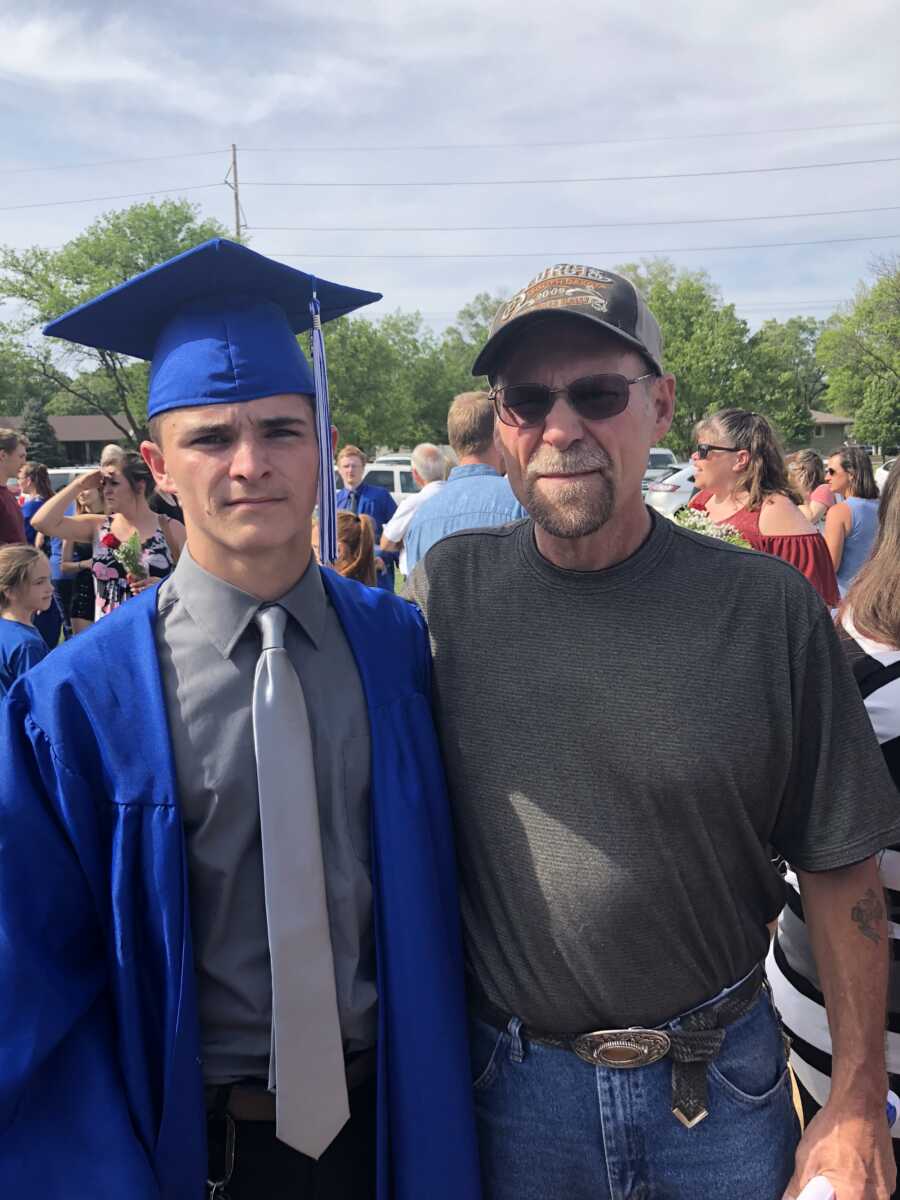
[370, 96]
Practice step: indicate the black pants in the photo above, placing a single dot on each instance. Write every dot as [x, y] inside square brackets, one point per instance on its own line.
[266, 1169]
[810, 1108]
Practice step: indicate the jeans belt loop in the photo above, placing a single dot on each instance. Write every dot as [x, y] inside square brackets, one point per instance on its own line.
[516, 1048]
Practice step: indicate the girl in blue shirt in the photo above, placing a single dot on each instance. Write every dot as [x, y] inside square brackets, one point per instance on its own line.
[25, 589]
[34, 481]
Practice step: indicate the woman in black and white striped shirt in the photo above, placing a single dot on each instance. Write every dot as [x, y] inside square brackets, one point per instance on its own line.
[870, 623]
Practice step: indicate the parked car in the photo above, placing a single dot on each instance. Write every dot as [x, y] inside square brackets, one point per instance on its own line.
[393, 472]
[660, 461]
[672, 491]
[883, 471]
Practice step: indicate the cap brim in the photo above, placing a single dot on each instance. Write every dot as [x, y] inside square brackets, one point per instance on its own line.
[485, 363]
[128, 319]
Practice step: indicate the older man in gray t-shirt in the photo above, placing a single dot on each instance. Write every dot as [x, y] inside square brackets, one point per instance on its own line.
[631, 715]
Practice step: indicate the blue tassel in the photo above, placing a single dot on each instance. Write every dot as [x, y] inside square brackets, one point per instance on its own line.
[327, 508]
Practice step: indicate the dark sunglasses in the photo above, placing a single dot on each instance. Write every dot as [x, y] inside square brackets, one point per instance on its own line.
[595, 397]
[702, 449]
[830, 471]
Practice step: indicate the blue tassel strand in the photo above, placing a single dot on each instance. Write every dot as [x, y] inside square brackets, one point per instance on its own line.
[327, 508]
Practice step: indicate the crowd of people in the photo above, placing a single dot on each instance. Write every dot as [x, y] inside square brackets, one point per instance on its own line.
[308, 889]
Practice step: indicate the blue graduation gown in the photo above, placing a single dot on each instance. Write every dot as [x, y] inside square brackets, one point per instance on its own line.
[100, 1078]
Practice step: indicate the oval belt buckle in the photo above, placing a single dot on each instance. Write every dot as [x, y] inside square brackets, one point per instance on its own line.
[622, 1049]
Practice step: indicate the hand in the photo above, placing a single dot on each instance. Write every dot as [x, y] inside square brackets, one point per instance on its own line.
[850, 1145]
[90, 481]
[138, 585]
[380, 568]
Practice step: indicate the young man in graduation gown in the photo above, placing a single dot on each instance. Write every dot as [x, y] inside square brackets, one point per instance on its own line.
[228, 909]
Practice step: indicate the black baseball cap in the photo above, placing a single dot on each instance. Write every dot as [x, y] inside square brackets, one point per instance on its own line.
[608, 300]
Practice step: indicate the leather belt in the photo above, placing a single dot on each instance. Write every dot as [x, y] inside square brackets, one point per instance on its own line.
[252, 1101]
[692, 1046]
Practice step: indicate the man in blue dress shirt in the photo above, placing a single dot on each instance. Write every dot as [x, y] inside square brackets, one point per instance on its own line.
[476, 494]
[367, 499]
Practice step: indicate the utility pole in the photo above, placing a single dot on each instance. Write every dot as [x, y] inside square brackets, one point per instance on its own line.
[237, 195]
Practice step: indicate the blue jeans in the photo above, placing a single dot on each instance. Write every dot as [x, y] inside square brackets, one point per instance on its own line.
[553, 1127]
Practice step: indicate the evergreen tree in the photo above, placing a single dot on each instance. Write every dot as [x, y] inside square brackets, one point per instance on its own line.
[42, 444]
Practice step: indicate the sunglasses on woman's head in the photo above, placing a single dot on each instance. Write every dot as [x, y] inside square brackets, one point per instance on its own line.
[595, 398]
[702, 449]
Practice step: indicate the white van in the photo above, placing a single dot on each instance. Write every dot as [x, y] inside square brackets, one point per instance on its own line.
[393, 472]
[60, 477]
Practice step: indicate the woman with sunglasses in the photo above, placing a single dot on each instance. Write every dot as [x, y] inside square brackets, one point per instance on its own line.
[739, 467]
[850, 526]
[126, 489]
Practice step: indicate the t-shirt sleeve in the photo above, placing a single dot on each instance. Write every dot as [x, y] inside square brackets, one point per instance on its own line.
[29, 654]
[840, 804]
[822, 495]
[12, 524]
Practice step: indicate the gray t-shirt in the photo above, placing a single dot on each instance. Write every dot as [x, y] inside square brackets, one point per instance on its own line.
[621, 747]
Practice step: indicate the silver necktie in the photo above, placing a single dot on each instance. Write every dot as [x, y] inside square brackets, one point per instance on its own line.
[307, 1053]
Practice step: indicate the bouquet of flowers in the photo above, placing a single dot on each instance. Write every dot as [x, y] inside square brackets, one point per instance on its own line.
[131, 556]
[699, 522]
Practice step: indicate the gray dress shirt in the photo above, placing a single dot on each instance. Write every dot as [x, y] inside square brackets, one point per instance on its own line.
[208, 646]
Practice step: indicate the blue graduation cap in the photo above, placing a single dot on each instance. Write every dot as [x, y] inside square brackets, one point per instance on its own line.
[218, 325]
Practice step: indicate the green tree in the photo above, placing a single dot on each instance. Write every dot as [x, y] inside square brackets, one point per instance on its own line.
[364, 371]
[19, 382]
[789, 380]
[705, 344]
[42, 444]
[860, 351]
[49, 282]
[391, 381]
[878, 417]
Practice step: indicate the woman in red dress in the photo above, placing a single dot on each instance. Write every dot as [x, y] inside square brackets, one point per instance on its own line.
[743, 481]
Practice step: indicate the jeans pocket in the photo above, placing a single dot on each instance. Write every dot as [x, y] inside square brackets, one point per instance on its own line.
[485, 1045]
[752, 1066]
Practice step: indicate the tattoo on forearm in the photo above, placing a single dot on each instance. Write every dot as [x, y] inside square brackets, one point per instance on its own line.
[868, 913]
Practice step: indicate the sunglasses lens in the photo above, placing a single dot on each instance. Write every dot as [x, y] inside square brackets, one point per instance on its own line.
[599, 396]
[525, 404]
[702, 450]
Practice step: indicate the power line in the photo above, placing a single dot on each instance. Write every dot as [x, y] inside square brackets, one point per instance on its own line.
[835, 212]
[576, 255]
[422, 183]
[444, 146]
[110, 162]
[676, 137]
[469, 183]
[194, 187]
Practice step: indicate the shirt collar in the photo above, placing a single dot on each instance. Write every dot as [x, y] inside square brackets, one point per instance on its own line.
[223, 611]
[472, 469]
